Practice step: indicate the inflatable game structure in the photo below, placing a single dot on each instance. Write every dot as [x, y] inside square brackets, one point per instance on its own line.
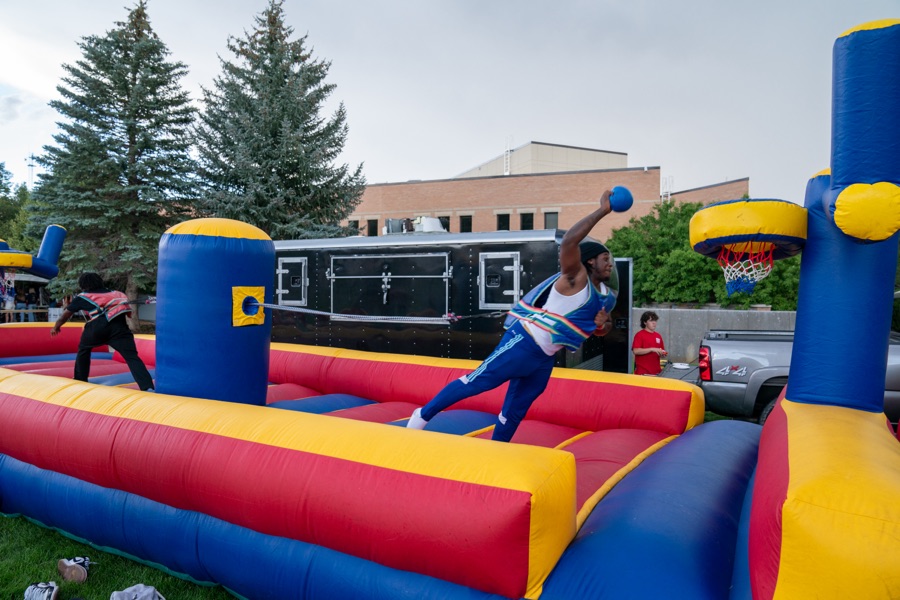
[285, 471]
[824, 513]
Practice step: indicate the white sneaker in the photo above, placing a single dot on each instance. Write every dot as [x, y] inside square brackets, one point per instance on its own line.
[137, 592]
[42, 591]
[416, 421]
[74, 569]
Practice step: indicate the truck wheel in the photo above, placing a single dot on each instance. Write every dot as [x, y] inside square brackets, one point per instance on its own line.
[767, 411]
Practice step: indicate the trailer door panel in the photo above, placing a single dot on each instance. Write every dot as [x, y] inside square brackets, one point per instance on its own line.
[499, 284]
[413, 286]
[293, 281]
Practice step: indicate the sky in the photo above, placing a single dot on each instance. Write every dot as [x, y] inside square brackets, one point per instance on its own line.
[709, 91]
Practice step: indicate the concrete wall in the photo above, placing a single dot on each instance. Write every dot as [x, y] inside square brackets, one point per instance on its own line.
[683, 328]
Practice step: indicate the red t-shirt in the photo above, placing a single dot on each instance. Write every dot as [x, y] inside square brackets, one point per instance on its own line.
[647, 364]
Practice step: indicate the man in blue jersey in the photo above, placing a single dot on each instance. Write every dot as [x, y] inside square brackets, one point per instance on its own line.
[106, 310]
[560, 313]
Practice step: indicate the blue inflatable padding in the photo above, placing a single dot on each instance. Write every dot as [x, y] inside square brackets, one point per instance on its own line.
[320, 405]
[196, 276]
[204, 549]
[865, 122]
[669, 528]
[816, 188]
[15, 360]
[460, 422]
[105, 518]
[740, 581]
[853, 354]
[117, 379]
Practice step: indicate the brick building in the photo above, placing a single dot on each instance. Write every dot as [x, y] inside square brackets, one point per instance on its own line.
[535, 186]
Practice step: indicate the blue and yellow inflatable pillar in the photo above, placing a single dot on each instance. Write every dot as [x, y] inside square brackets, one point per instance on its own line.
[212, 338]
[45, 263]
[825, 516]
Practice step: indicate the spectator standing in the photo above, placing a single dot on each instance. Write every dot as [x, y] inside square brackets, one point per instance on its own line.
[9, 304]
[31, 299]
[648, 346]
[20, 305]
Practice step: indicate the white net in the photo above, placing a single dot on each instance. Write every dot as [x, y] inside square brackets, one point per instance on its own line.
[743, 270]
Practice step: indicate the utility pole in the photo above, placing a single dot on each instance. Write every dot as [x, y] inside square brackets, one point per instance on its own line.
[30, 162]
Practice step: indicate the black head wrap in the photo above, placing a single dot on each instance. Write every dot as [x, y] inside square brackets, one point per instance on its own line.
[590, 249]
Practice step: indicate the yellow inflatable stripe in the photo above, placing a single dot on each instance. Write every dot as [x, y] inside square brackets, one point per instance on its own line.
[15, 259]
[213, 227]
[750, 218]
[841, 516]
[460, 363]
[508, 466]
[546, 544]
[880, 24]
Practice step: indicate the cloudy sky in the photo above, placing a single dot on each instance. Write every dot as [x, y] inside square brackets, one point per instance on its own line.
[707, 90]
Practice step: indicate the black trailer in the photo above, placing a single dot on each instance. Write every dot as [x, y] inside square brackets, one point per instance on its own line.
[393, 293]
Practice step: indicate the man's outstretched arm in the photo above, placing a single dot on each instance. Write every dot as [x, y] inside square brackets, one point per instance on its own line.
[574, 277]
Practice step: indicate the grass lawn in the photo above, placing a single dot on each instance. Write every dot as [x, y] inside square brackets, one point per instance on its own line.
[28, 554]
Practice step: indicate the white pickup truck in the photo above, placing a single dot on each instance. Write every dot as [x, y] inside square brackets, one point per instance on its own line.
[742, 372]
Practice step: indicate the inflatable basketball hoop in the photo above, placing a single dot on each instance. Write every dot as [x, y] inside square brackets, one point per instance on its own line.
[747, 236]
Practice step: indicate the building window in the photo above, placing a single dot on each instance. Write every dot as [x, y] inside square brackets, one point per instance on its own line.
[445, 223]
[372, 227]
[354, 225]
[465, 224]
[526, 221]
[503, 222]
[551, 220]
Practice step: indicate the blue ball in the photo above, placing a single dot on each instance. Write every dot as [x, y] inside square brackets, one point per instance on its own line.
[620, 199]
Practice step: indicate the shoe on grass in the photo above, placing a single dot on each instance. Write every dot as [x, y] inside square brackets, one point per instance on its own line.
[137, 592]
[74, 569]
[42, 591]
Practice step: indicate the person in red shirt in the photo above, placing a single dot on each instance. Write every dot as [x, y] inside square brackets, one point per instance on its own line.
[648, 346]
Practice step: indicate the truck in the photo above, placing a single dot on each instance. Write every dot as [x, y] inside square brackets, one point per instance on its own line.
[742, 373]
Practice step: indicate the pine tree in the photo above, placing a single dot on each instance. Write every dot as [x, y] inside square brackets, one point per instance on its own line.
[267, 156]
[120, 172]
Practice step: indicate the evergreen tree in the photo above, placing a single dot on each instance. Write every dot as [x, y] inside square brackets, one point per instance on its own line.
[9, 208]
[120, 172]
[267, 156]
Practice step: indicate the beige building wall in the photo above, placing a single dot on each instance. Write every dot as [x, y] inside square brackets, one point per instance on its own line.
[728, 190]
[570, 196]
[539, 157]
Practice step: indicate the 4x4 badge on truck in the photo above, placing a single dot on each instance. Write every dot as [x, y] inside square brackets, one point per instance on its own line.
[733, 370]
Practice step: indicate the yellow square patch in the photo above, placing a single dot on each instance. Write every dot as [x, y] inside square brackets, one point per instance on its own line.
[244, 311]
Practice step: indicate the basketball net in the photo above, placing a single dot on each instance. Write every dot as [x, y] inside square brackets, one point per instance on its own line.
[745, 265]
[7, 283]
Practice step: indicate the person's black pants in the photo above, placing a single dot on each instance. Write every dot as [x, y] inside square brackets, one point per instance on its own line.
[118, 336]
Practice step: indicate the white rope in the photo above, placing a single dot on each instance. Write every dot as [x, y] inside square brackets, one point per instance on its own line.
[446, 319]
